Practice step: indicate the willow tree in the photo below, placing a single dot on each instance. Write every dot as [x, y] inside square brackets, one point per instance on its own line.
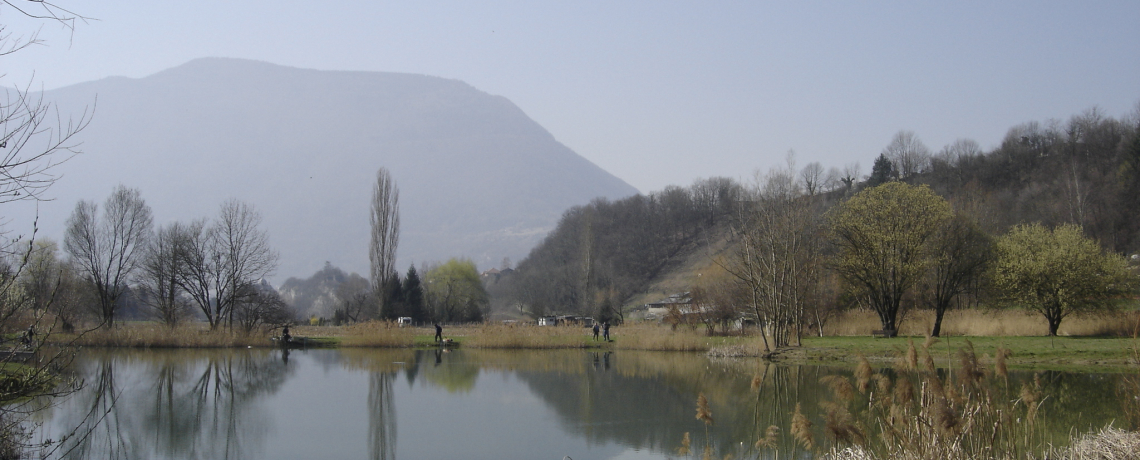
[385, 220]
[884, 238]
[454, 292]
[1058, 272]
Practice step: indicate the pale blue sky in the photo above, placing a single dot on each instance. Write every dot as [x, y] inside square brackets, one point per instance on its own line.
[659, 92]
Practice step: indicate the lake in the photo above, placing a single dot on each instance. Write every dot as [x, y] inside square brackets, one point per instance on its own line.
[469, 404]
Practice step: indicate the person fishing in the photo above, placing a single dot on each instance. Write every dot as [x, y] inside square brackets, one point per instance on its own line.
[285, 337]
[30, 336]
[438, 333]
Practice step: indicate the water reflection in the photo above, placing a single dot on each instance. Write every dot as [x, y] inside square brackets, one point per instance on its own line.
[463, 403]
[203, 405]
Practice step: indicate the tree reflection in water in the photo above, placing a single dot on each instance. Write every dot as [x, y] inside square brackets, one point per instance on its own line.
[216, 404]
[381, 417]
[202, 407]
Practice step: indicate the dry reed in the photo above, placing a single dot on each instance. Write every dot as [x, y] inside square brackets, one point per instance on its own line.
[154, 335]
[986, 323]
[385, 334]
[964, 414]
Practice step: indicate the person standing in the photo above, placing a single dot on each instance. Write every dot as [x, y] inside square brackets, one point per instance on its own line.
[438, 333]
[606, 331]
[595, 331]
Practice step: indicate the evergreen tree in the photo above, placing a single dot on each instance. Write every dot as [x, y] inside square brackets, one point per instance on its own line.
[882, 172]
[414, 296]
[391, 306]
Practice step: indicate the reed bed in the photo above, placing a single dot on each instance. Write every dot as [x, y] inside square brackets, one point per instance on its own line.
[379, 334]
[154, 335]
[916, 411]
[525, 336]
[984, 323]
[642, 336]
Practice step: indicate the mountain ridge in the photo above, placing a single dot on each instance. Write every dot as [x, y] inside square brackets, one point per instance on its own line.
[478, 177]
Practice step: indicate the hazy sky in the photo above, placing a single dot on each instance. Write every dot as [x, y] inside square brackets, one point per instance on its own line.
[660, 92]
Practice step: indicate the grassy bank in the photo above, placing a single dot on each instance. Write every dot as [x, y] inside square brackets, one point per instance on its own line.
[1026, 352]
[847, 339]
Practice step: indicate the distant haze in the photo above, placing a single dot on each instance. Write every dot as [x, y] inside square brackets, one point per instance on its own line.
[477, 177]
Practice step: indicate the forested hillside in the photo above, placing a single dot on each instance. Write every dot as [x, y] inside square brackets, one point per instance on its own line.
[1084, 171]
[603, 253]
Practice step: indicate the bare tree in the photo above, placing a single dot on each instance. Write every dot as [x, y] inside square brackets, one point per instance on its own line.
[354, 298]
[962, 251]
[852, 174]
[812, 178]
[259, 305]
[33, 137]
[385, 220]
[908, 154]
[161, 268]
[108, 250]
[958, 152]
[781, 233]
[221, 261]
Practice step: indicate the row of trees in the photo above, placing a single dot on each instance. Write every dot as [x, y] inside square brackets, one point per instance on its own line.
[215, 267]
[448, 292]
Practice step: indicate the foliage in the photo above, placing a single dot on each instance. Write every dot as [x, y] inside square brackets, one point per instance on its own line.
[883, 236]
[454, 293]
[1058, 272]
[882, 171]
[413, 297]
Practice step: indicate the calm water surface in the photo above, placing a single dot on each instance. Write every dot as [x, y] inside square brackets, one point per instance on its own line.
[469, 404]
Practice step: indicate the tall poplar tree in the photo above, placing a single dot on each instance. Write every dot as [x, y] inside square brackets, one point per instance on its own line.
[385, 220]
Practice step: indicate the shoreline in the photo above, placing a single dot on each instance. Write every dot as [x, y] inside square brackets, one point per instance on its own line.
[1117, 354]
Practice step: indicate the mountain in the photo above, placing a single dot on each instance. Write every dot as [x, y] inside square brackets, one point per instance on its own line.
[477, 177]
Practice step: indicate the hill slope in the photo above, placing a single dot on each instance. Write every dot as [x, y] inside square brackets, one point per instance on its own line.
[477, 177]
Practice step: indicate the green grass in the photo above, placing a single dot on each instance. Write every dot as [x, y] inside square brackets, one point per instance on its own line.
[1028, 352]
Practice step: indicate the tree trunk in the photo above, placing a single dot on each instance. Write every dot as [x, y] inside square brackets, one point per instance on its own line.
[938, 313]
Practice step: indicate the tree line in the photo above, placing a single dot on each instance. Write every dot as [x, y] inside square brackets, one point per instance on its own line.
[116, 259]
[1039, 222]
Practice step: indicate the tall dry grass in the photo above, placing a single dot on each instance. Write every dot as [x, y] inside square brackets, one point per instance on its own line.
[154, 335]
[914, 411]
[637, 336]
[368, 334]
[987, 323]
